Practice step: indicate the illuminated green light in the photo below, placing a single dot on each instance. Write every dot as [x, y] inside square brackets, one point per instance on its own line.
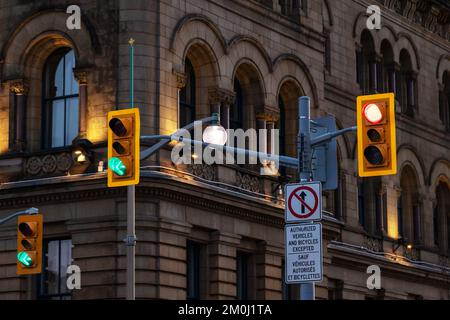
[117, 166]
[24, 259]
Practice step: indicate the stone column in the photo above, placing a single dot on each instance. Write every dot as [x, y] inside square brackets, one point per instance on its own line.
[20, 89]
[380, 213]
[81, 75]
[411, 91]
[221, 100]
[393, 195]
[180, 83]
[222, 259]
[269, 272]
[214, 100]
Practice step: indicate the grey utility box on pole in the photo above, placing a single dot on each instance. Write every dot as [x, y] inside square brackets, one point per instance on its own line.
[324, 159]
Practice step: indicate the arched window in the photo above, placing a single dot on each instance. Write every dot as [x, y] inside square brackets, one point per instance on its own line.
[441, 218]
[60, 100]
[388, 69]
[372, 206]
[282, 125]
[368, 67]
[237, 109]
[444, 101]
[411, 222]
[406, 90]
[187, 96]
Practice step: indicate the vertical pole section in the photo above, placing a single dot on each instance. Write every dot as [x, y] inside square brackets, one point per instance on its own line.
[307, 290]
[131, 205]
[131, 244]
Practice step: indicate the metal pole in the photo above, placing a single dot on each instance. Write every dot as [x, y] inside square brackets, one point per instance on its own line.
[131, 243]
[30, 211]
[307, 290]
[131, 206]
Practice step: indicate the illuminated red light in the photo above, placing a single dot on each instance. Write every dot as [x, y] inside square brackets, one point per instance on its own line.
[372, 113]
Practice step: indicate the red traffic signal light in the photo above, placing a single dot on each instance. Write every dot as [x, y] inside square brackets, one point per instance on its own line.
[377, 154]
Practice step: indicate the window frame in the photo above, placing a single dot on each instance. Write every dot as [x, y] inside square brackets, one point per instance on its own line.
[47, 116]
[43, 277]
[188, 108]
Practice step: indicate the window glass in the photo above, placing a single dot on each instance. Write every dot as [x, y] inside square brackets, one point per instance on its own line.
[52, 282]
[61, 114]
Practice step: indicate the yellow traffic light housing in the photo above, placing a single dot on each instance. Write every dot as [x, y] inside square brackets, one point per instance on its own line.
[377, 147]
[29, 244]
[123, 147]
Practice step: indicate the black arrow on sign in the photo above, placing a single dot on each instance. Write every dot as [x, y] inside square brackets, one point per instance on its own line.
[303, 196]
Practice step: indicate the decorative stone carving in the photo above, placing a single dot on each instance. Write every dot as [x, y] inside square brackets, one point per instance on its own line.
[412, 254]
[410, 9]
[248, 182]
[64, 162]
[373, 244]
[33, 166]
[180, 78]
[219, 95]
[203, 171]
[268, 113]
[81, 74]
[19, 87]
[431, 19]
[49, 164]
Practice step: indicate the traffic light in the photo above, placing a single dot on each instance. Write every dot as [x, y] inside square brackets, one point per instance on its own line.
[123, 147]
[377, 147]
[29, 244]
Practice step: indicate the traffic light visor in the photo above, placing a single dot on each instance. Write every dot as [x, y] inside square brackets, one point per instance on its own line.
[28, 229]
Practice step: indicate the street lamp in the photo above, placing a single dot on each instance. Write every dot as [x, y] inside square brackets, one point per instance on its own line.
[215, 133]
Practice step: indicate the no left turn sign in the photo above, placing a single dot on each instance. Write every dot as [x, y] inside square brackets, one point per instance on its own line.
[303, 202]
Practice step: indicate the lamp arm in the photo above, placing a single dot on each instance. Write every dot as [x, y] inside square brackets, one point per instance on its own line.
[166, 139]
[30, 211]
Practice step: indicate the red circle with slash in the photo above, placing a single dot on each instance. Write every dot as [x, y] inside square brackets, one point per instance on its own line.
[295, 197]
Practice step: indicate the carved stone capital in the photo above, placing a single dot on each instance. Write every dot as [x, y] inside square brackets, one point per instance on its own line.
[221, 96]
[81, 74]
[268, 113]
[19, 87]
[180, 78]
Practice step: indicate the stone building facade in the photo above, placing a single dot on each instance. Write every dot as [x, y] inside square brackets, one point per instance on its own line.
[216, 232]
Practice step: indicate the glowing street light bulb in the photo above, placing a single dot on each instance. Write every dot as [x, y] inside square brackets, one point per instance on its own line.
[215, 135]
[373, 113]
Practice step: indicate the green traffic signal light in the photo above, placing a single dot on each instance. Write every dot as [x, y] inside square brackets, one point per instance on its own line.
[24, 259]
[117, 166]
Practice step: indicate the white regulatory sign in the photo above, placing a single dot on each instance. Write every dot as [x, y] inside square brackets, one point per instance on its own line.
[303, 202]
[303, 253]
